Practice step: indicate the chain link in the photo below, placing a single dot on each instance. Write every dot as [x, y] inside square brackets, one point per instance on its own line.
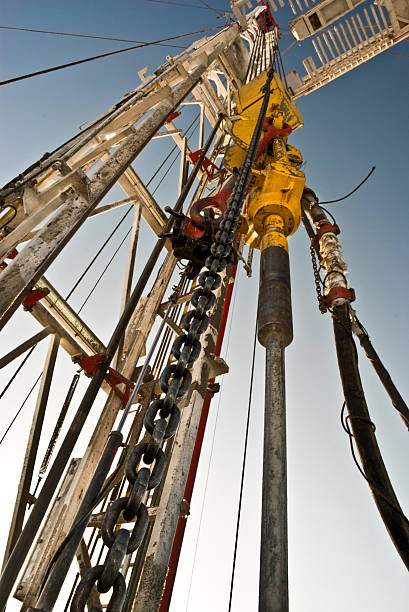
[317, 280]
[174, 382]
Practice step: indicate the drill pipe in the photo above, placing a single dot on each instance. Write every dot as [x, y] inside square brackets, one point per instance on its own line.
[273, 585]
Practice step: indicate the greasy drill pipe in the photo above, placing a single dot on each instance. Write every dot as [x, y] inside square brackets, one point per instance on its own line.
[274, 209]
[274, 316]
[273, 586]
[275, 332]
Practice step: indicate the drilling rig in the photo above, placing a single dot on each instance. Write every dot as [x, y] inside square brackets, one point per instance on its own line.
[244, 187]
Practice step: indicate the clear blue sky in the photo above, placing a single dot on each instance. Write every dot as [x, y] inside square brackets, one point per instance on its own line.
[341, 557]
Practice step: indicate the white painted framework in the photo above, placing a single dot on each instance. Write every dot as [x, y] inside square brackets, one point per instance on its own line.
[66, 189]
[346, 39]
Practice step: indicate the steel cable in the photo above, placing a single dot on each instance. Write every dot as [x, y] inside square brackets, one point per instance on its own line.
[17, 371]
[93, 260]
[21, 407]
[104, 270]
[243, 468]
[127, 40]
[101, 56]
[185, 4]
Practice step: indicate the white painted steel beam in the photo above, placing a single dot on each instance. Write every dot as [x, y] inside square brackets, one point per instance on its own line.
[24, 346]
[108, 131]
[320, 16]
[21, 274]
[66, 316]
[361, 37]
[131, 183]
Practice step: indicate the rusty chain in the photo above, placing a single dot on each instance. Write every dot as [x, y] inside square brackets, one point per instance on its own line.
[317, 281]
[175, 382]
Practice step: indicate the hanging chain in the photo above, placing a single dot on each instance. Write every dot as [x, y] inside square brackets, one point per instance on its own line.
[317, 280]
[175, 382]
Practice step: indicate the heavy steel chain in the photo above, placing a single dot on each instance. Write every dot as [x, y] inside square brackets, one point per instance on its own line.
[175, 382]
[317, 280]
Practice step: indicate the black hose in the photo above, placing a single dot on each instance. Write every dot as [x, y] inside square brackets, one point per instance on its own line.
[353, 191]
[397, 400]
[363, 432]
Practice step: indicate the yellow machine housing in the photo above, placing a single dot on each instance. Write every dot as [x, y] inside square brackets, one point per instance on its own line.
[277, 189]
[277, 182]
[248, 102]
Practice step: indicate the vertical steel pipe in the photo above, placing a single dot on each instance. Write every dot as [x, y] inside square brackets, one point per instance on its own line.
[273, 586]
[275, 332]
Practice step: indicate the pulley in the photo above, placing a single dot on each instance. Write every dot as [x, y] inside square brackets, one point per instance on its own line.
[193, 234]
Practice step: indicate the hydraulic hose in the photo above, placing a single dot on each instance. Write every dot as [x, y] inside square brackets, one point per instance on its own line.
[362, 428]
[397, 400]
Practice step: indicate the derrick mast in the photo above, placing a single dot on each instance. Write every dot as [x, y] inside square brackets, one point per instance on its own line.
[243, 185]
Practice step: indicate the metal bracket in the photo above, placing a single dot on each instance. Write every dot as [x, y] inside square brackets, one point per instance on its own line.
[33, 297]
[217, 366]
[327, 228]
[336, 293]
[112, 377]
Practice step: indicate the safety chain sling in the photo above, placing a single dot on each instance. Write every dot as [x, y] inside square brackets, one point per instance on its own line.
[175, 382]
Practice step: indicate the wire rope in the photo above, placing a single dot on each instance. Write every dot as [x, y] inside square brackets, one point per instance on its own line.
[184, 4]
[89, 267]
[170, 168]
[167, 336]
[21, 408]
[351, 192]
[17, 371]
[211, 8]
[96, 57]
[104, 270]
[99, 252]
[243, 468]
[115, 253]
[173, 150]
[127, 40]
